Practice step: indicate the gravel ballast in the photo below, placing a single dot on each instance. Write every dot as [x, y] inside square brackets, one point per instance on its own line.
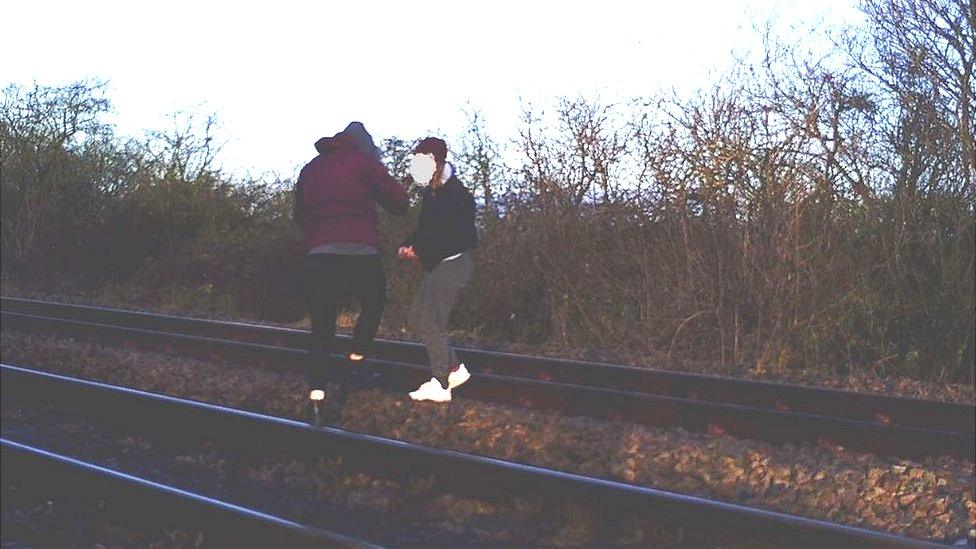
[930, 498]
[313, 490]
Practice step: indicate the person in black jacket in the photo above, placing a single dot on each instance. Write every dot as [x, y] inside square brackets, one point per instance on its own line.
[443, 242]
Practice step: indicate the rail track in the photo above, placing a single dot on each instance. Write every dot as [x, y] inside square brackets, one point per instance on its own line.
[37, 469]
[922, 428]
[759, 394]
[455, 472]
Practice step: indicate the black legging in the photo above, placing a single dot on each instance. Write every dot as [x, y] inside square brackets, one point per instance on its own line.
[328, 280]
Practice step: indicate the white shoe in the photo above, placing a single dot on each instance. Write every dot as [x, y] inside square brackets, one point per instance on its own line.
[457, 376]
[432, 391]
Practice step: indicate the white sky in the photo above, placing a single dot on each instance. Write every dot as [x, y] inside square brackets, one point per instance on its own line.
[279, 75]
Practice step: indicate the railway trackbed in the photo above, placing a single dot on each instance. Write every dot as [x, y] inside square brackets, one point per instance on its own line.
[933, 428]
[452, 471]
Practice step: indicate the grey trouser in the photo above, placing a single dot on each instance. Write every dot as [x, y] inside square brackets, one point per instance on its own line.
[432, 309]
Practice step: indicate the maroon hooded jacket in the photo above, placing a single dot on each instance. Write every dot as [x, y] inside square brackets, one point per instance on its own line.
[337, 193]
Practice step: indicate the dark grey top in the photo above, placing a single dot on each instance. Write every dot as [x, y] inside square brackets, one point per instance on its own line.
[344, 248]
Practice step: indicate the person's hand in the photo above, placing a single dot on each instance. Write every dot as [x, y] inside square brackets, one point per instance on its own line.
[406, 252]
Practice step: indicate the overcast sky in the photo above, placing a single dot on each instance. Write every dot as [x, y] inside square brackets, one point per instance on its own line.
[279, 75]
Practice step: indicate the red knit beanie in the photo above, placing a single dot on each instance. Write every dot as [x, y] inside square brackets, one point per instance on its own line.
[434, 146]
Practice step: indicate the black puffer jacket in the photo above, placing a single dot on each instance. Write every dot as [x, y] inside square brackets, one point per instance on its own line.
[446, 225]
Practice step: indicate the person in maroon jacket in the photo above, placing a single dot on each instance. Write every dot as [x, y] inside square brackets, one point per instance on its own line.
[335, 208]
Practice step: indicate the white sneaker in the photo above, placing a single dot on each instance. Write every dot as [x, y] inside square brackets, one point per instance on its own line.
[432, 391]
[457, 376]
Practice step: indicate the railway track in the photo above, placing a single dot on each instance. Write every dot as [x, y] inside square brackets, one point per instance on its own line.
[882, 409]
[175, 334]
[455, 472]
[36, 469]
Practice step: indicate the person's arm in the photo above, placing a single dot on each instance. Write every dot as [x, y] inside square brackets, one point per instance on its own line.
[388, 191]
[408, 243]
[407, 250]
[457, 211]
[464, 216]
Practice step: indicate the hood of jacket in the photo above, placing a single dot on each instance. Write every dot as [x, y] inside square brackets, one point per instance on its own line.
[356, 135]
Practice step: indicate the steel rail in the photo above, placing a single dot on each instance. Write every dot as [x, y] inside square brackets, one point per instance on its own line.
[453, 472]
[40, 469]
[774, 426]
[882, 409]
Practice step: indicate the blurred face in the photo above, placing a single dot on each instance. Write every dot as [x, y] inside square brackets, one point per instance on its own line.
[422, 168]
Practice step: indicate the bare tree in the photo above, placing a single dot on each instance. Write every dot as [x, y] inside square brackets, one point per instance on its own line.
[480, 162]
[40, 130]
[396, 155]
[187, 151]
[923, 52]
[577, 159]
